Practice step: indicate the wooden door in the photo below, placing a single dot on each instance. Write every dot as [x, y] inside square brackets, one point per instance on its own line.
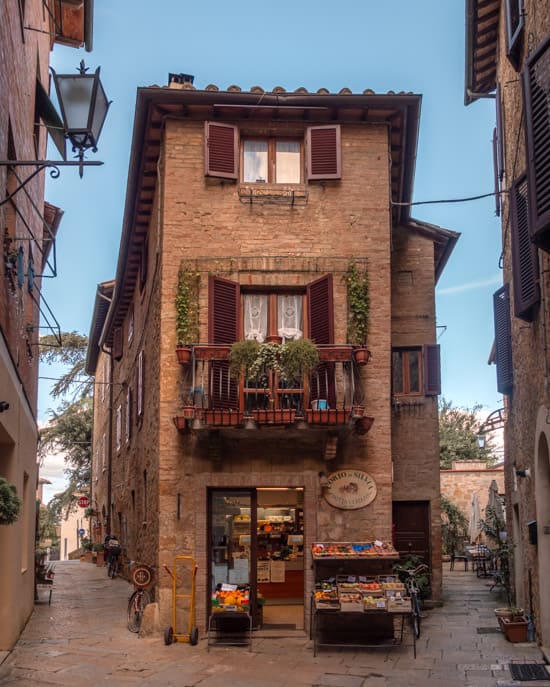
[411, 520]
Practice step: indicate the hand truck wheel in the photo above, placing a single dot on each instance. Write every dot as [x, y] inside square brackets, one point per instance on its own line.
[194, 636]
[169, 636]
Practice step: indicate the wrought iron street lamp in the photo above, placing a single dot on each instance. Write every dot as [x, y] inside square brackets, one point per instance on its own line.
[84, 106]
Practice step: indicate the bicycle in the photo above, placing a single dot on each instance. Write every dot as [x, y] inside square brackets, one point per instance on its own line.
[410, 578]
[136, 606]
[112, 568]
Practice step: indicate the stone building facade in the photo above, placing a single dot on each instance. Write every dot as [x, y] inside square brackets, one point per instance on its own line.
[280, 238]
[28, 31]
[508, 58]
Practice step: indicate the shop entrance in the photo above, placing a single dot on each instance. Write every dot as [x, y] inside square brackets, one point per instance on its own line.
[257, 544]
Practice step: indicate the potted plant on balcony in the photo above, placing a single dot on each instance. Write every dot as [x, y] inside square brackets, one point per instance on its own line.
[298, 358]
[187, 311]
[357, 282]
[242, 357]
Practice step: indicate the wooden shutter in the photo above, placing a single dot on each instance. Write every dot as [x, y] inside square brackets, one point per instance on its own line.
[524, 254]
[514, 30]
[432, 370]
[323, 152]
[320, 310]
[223, 325]
[117, 343]
[221, 150]
[536, 86]
[321, 331]
[503, 340]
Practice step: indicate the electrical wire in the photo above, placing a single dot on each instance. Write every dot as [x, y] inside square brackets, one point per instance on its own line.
[451, 200]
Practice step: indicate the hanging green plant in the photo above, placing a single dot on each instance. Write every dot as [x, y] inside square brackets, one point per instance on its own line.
[10, 503]
[187, 305]
[242, 356]
[298, 358]
[357, 281]
[267, 358]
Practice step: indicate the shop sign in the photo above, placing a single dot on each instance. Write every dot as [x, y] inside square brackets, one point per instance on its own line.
[350, 489]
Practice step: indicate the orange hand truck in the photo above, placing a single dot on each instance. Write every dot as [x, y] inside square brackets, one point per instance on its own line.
[186, 565]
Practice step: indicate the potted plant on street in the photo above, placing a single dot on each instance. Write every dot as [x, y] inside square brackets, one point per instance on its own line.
[187, 311]
[357, 282]
[10, 503]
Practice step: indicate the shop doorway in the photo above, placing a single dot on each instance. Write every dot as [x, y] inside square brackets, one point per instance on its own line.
[256, 549]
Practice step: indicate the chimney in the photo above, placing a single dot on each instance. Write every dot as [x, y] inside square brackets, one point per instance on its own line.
[178, 80]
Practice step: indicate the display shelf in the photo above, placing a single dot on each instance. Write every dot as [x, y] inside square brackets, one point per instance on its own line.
[342, 572]
[229, 628]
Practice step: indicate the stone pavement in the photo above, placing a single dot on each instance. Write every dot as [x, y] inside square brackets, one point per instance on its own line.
[81, 640]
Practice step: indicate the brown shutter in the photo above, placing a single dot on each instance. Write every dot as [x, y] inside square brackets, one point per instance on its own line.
[432, 370]
[514, 30]
[323, 152]
[221, 150]
[320, 310]
[536, 86]
[321, 331]
[223, 325]
[524, 254]
[117, 343]
[503, 340]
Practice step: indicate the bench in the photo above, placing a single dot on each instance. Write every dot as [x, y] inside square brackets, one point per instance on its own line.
[44, 578]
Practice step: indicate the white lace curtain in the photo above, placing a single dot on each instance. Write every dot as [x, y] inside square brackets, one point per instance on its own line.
[289, 317]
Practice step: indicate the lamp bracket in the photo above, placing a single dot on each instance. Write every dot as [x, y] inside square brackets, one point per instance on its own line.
[43, 164]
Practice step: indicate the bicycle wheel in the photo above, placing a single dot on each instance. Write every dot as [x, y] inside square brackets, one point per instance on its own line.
[416, 616]
[136, 605]
[114, 567]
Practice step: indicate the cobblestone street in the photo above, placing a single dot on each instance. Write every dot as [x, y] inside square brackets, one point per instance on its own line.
[81, 640]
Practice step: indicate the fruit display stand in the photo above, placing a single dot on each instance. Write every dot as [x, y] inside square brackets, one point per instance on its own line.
[230, 621]
[357, 601]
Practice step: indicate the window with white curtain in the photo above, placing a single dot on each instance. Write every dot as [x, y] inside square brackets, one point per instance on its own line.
[289, 317]
[255, 317]
[273, 315]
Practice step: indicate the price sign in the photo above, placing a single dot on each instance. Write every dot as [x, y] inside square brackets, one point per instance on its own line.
[84, 502]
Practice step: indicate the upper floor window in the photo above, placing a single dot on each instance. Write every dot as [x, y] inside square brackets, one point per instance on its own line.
[416, 370]
[536, 89]
[268, 315]
[276, 160]
[272, 161]
[514, 30]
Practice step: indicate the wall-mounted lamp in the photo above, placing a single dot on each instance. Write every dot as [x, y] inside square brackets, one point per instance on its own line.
[84, 106]
[4, 405]
[480, 438]
[523, 473]
[323, 482]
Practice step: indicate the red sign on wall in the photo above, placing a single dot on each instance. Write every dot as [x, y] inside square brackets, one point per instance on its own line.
[84, 502]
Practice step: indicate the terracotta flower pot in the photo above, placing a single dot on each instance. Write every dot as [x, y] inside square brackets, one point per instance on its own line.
[362, 355]
[184, 354]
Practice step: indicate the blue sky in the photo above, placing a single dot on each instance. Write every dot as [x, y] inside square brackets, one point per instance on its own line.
[395, 45]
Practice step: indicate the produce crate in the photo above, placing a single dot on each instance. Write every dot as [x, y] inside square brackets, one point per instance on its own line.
[375, 603]
[327, 605]
[399, 604]
[351, 603]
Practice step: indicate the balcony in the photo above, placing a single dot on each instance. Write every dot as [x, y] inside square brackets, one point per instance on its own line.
[328, 399]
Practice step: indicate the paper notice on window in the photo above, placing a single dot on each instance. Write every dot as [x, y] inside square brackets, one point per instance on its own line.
[277, 571]
[262, 570]
[239, 573]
